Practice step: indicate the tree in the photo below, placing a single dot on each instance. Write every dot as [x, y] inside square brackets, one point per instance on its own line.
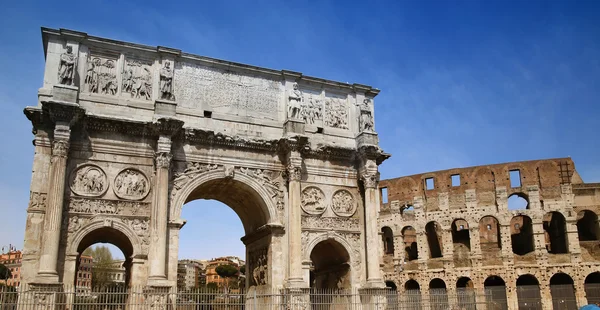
[5, 273]
[243, 269]
[103, 263]
[226, 272]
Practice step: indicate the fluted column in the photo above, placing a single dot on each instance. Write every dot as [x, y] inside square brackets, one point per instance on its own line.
[370, 181]
[294, 173]
[47, 272]
[160, 210]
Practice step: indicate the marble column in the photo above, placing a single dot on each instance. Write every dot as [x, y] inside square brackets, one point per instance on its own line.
[294, 172]
[47, 272]
[370, 182]
[160, 210]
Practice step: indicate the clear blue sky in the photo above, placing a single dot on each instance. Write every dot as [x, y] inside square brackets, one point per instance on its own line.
[463, 82]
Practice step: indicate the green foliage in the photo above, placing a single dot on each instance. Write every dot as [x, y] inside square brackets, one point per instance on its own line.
[5, 272]
[243, 269]
[226, 271]
[103, 262]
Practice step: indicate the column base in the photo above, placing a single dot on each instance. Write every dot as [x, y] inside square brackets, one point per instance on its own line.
[296, 283]
[373, 298]
[159, 282]
[42, 296]
[375, 284]
[47, 278]
[157, 297]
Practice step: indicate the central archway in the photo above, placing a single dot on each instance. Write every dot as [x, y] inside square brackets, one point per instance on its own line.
[250, 193]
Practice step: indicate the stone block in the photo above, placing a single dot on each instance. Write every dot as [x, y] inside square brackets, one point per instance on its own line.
[66, 93]
[165, 107]
[293, 126]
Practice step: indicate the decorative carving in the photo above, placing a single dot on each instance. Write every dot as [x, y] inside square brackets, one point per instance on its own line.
[295, 103]
[336, 113]
[258, 263]
[157, 301]
[229, 171]
[366, 116]
[370, 180]
[131, 184]
[140, 227]
[66, 68]
[270, 180]
[294, 172]
[166, 82]
[95, 206]
[311, 109]
[75, 222]
[137, 79]
[343, 203]
[329, 223]
[60, 148]
[37, 200]
[43, 301]
[101, 76]
[193, 169]
[313, 201]
[89, 180]
[162, 159]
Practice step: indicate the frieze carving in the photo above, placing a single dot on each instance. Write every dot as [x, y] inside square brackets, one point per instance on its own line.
[336, 113]
[329, 223]
[192, 169]
[60, 148]
[313, 200]
[137, 79]
[258, 263]
[102, 206]
[131, 184]
[162, 159]
[311, 109]
[37, 200]
[343, 203]
[101, 76]
[166, 82]
[366, 116]
[157, 301]
[270, 180]
[89, 181]
[66, 68]
[296, 99]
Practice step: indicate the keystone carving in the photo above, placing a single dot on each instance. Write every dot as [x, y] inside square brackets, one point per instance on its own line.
[343, 203]
[131, 184]
[313, 201]
[193, 169]
[89, 181]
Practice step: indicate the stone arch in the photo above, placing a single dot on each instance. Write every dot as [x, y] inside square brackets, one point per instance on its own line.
[244, 185]
[465, 293]
[432, 231]
[518, 201]
[521, 235]
[438, 294]
[490, 238]
[587, 226]
[592, 287]
[461, 238]
[528, 292]
[330, 236]
[555, 230]
[332, 262]
[495, 288]
[412, 294]
[409, 237]
[388, 240]
[562, 290]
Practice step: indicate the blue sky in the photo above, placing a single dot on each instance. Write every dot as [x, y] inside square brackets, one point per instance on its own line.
[463, 82]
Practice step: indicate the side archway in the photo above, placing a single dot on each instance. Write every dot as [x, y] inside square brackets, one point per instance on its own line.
[562, 290]
[495, 288]
[332, 261]
[528, 292]
[592, 287]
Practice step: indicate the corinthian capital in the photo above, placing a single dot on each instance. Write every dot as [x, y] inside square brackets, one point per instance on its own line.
[162, 159]
[370, 179]
[294, 172]
[60, 148]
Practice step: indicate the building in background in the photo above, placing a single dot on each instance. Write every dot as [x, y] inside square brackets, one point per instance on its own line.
[211, 272]
[83, 281]
[12, 261]
[116, 272]
[187, 271]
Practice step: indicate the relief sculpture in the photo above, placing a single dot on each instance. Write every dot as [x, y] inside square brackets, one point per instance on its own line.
[101, 76]
[313, 201]
[295, 103]
[258, 263]
[95, 206]
[166, 82]
[312, 110]
[343, 203]
[66, 68]
[336, 113]
[89, 180]
[366, 116]
[192, 169]
[137, 79]
[330, 223]
[269, 179]
[37, 200]
[131, 184]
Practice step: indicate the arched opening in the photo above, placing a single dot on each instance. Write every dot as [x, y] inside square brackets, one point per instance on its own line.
[521, 235]
[465, 293]
[555, 227]
[102, 275]
[438, 295]
[489, 240]
[388, 240]
[495, 289]
[518, 201]
[331, 266]
[563, 292]
[528, 293]
[409, 236]
[592, 288]
[461, 242]
[587, 226]
[412, 294]
[432, 230]
[392, 294]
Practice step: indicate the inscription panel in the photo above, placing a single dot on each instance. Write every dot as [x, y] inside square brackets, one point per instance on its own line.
[199, 87]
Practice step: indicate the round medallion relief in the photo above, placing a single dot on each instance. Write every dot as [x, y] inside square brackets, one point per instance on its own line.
[89, 180]
[313, 200]
[131, 184]
[343, 203]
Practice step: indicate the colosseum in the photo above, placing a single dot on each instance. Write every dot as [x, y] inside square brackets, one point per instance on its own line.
[524, 234]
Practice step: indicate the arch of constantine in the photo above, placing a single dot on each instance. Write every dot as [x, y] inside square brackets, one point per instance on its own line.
[127, 134]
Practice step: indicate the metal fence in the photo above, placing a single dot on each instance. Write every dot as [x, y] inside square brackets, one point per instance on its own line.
[68, 298]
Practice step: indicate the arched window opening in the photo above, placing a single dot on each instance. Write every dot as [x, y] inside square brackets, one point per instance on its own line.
[331, 266]
[409, 236]
[489, 240]
[528, 293]
[412, 285]
[392, 294]
[461, 241]
[412, 295]
[563, 292]
[587, 226]
[495, 289]
[465, 294]
[438, 295]
[592, 288]
[388, 240]
[556, 233]
[518, 201]
[391, 285]
[521, 235]
[432, 230]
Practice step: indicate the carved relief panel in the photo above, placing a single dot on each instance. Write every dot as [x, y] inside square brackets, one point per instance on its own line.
[137, 79]
[343, 203]
[258, 266]
[37, 201]
[89, 180]
[131, 184]
[101, 75]
[336, 112]
[313, 201]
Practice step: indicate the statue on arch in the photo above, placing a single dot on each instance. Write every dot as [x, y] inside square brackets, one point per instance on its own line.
[66, 68]
[166, 82]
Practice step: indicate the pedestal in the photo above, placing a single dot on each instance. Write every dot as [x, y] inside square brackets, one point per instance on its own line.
[367, 138]
[42, 296]
[373, 298]
[156, 298]
[165, 107]
[293, 126]
[65, 93]
[298, 299]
